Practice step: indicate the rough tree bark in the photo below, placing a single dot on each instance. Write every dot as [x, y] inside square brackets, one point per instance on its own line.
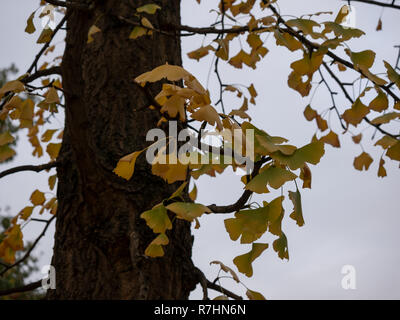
[100, 238]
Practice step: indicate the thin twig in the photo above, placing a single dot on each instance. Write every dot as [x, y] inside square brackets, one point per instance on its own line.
[27, 253]
[378, 3]
[34, 168]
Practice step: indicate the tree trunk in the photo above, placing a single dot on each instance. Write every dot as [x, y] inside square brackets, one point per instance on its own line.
[100, 238]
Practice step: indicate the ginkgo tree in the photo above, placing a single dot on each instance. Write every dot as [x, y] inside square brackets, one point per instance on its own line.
[125, 204]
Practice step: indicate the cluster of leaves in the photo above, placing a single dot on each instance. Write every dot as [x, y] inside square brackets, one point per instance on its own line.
[174, 102]
[17, 276]
[25, 106]
[316, 40]
[183, 98]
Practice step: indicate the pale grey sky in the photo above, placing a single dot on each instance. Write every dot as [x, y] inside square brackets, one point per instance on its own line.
[351, 217]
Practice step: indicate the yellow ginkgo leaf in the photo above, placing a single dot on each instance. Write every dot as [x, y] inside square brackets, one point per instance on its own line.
[30, 27]
[45, 36]
[6, 153]
[170, 72]
[380, 103]
[26, 115]
[200, 53]
[53, 149]
[362, 60]
[285, 39]
[146, 23]
[394, 151]
[6, 138]
[126, 165]
[26, 212]
[254, 295]
[155, 248]
[137, 32]
[150, 8]
[170, 172]
[386, 142]
[331, 138]
[52, 96]
[297, 214]
[274, 176]
[37, 198]
[392, 74]
[92, 30]
[356, 114]
[209, 114]
[363, 161]
[280, 245]
[14, 238]
[48, 134]
[193, 193]
[14, 86]
[382, 171]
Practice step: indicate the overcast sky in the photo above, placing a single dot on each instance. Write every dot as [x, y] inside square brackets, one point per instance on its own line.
[351, 217]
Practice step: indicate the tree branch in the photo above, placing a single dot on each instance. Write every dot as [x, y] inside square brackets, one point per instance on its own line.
[28, 287]
[241, 202]
[378, 3]
[41, 73]
[347, 95]
[315, 46]
[226, 292]
[34, 168]
[47, 44]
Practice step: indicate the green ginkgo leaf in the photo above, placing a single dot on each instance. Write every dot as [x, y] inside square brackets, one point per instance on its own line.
[310, 153]
[187, 210]
[244, 261]
[157, 219]
[274, 176]
[297, 214]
